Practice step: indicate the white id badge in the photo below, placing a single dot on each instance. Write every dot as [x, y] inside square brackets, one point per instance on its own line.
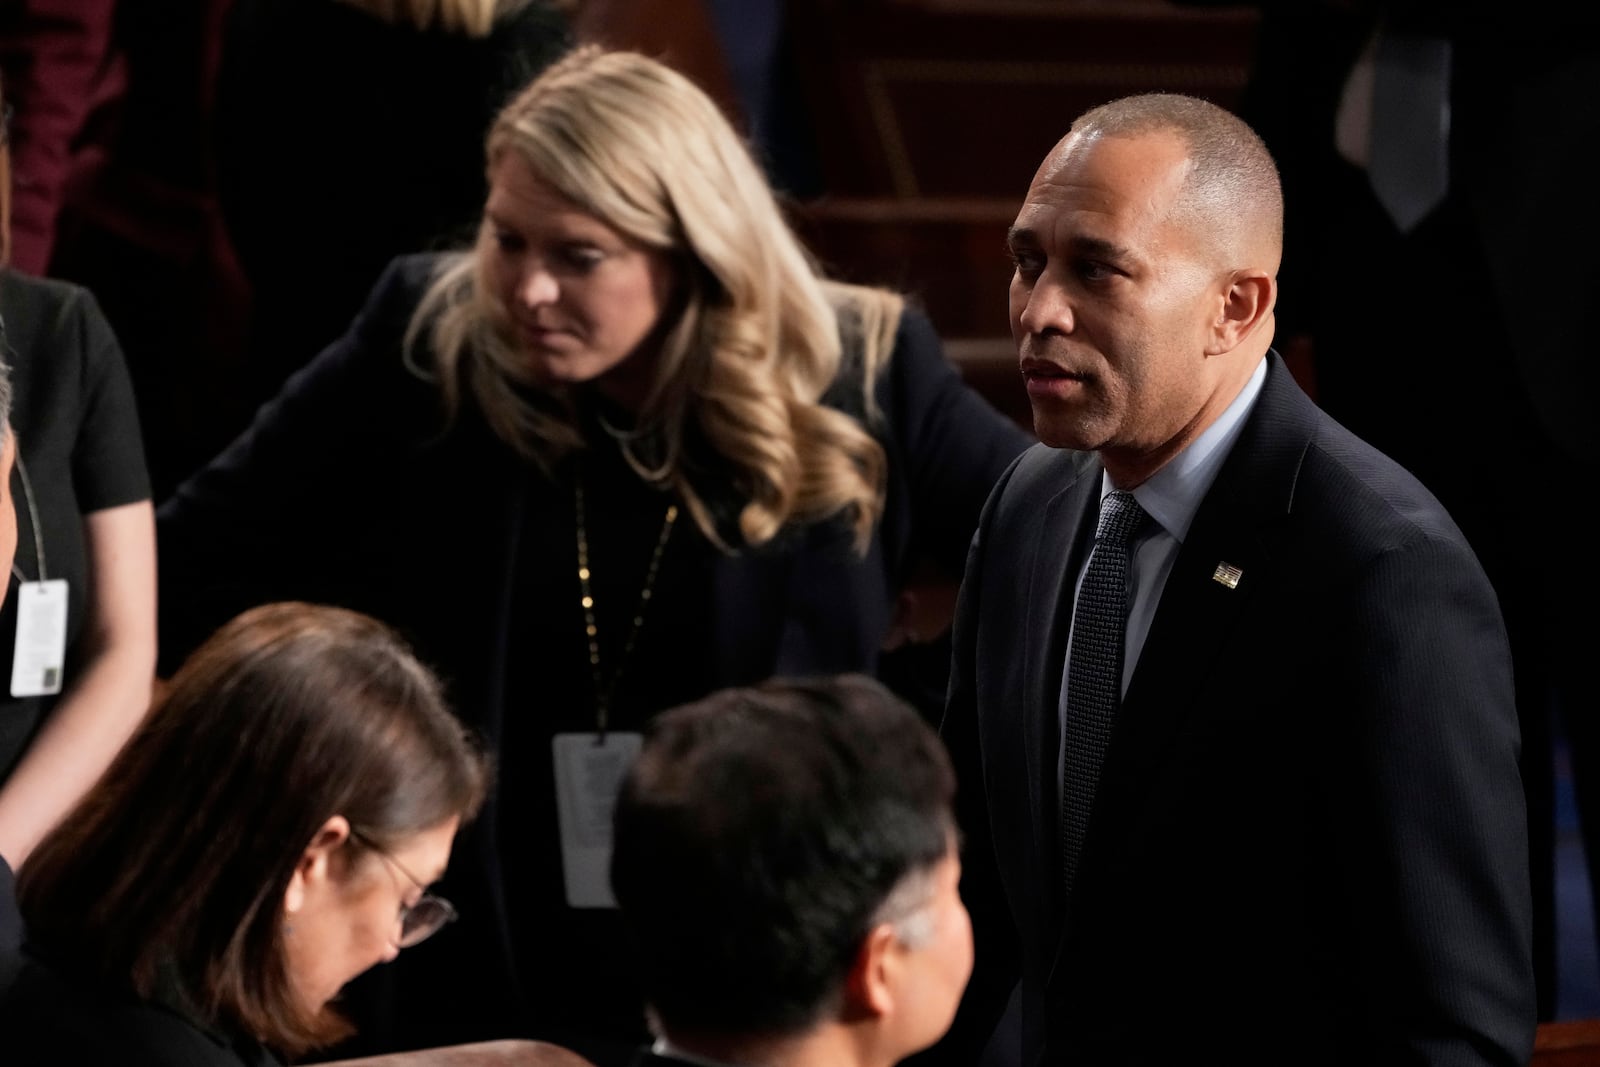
[41, 638]
[589, 773]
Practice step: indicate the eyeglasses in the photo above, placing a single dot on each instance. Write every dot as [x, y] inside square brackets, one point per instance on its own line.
[428, 915]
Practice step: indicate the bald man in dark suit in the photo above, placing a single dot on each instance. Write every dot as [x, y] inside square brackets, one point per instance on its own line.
[1298, 834]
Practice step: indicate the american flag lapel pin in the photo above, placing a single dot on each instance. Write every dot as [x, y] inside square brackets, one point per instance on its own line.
[1227, 574]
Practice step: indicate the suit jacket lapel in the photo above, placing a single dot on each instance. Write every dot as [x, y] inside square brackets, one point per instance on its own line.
[1234, 528]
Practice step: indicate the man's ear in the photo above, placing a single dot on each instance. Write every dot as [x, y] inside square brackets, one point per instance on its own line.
[870, 988]
[1246, 307]
[311, 871]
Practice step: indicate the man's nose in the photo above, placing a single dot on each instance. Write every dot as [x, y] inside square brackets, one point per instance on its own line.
[1046, 308]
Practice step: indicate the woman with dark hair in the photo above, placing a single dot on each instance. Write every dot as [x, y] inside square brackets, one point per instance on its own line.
[267, 835]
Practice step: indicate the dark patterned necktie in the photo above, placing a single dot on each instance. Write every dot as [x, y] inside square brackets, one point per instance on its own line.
[1094, 671]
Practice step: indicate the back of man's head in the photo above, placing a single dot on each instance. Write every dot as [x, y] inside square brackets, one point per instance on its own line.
[764, 834]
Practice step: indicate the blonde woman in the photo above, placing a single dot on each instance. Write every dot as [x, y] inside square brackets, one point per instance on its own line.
[629, 448]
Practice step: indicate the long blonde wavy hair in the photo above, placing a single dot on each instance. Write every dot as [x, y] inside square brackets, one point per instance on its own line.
[757, 341]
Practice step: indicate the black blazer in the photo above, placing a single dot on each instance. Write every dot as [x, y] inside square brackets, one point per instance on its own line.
[1308, 843]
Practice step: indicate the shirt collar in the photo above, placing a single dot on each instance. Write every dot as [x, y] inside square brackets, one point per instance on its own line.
[1172, 495]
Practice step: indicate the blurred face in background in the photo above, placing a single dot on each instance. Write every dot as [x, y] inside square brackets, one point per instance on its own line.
[584, 300]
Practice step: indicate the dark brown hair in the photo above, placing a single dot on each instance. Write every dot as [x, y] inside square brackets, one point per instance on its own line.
[759, 836]
[177, 861]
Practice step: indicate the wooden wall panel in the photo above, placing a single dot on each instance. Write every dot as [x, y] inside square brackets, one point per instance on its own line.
[964, 97]
[930, 117]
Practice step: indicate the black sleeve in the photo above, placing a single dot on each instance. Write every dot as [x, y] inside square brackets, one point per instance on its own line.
[108, 465]
[952, 443]
[288, 510]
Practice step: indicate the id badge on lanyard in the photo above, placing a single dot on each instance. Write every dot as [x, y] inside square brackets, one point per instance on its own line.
[40, 654]
[589, 771]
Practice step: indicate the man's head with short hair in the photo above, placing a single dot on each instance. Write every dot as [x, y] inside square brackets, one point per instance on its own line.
[1146, 252]
[785, 860]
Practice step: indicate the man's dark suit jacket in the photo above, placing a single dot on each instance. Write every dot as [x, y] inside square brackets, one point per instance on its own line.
[1515, 232]
[1308, 843]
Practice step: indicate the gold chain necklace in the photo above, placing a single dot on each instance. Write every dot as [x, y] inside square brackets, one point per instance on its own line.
[603, 689]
